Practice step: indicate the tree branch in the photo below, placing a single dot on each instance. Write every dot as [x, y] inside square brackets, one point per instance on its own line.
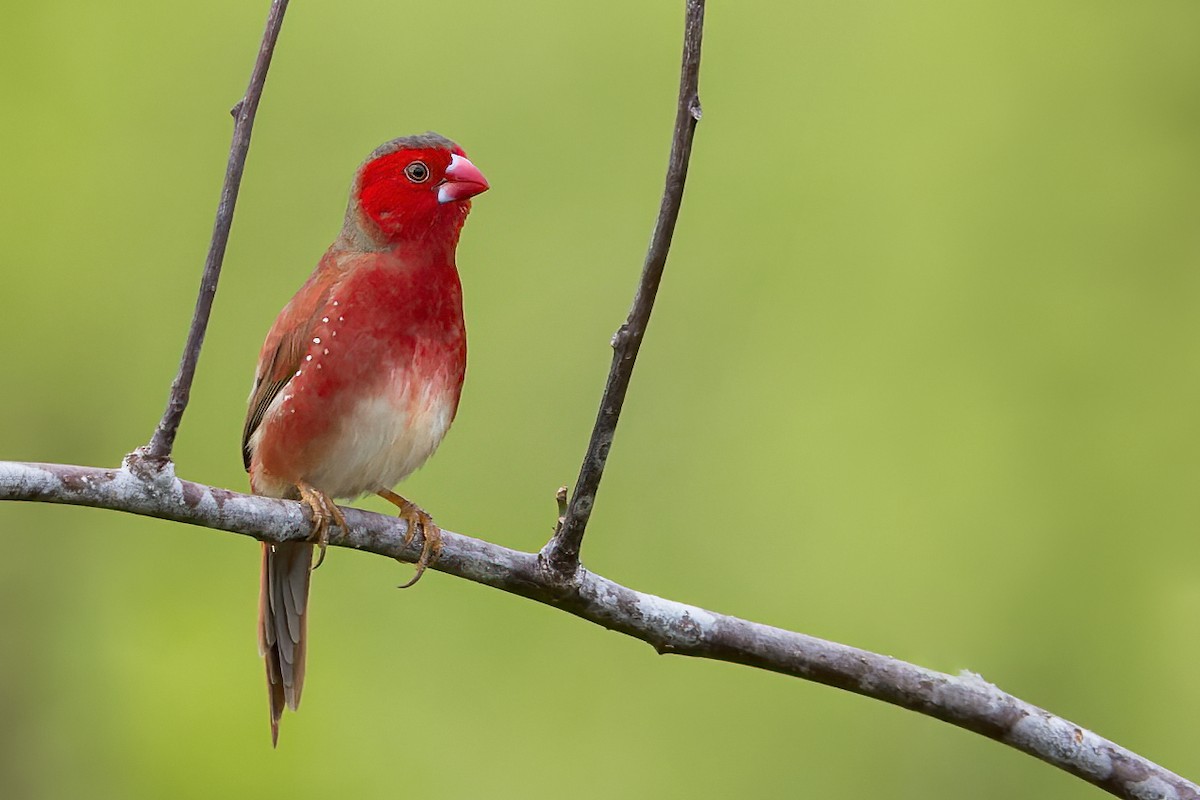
[965, 700]
[161, 443]
[561, 554]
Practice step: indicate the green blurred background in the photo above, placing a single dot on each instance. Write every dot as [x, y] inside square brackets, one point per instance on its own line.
[923, 378]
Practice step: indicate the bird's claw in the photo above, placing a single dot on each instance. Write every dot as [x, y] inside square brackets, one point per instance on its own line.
[323, 511]
[431, 534]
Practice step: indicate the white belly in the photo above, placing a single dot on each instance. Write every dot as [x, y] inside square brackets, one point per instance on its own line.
[384, 439]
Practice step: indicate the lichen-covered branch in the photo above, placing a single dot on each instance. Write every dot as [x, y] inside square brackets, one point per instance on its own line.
[964, 700]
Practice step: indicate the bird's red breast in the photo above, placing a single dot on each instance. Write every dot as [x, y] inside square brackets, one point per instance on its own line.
[379, 381]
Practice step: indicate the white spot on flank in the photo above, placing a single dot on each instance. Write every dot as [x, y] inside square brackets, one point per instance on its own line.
[325, 353]
[308, 358]
[316, 340]
[324, 319]
[297, 375]
[339, 318]
[335, 302]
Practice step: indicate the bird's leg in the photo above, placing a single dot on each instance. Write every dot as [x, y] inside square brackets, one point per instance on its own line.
[323, 510]
[411, 513]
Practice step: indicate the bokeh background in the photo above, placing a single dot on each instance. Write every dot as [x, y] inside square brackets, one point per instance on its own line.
[923, 378]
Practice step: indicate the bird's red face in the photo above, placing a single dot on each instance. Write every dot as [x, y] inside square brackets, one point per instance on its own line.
[413, 191]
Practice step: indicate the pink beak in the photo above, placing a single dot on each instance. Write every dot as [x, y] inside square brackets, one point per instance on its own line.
[463, 180]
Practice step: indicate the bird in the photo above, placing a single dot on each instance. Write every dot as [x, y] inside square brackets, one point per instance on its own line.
[360, 377]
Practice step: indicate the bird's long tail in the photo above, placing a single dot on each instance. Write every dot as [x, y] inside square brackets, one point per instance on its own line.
[283, 622]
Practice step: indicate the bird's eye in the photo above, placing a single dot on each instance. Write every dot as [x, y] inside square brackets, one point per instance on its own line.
[417, 172]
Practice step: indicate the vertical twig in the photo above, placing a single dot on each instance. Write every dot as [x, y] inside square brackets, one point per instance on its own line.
[159, 448]
[561, 553]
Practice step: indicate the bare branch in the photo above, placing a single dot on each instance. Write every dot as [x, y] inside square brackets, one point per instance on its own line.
[965, 700]
[561, 554]
[161, 443]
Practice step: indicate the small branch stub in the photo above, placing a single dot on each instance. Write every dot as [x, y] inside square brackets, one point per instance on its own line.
[560, 497]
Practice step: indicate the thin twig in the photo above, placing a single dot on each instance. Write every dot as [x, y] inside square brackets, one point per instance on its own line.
[163, 440]
[562, 552]
[965, 700]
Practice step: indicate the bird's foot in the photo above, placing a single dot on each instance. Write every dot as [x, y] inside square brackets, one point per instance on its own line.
[323, 511]
[431, 534]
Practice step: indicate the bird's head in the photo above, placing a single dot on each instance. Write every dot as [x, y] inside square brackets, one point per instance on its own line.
[414, 190]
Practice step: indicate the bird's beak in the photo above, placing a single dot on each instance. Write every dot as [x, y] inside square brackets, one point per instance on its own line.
[463, 180]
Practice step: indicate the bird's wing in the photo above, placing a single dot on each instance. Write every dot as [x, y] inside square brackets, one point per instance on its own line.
[285, 347]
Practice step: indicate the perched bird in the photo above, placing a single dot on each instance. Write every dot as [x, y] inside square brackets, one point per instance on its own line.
[360, 376]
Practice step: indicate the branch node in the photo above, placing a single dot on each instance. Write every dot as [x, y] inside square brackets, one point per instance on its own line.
[148, 467]
[694, 108]
[236, 111]
[561, 575]
[619, 337]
